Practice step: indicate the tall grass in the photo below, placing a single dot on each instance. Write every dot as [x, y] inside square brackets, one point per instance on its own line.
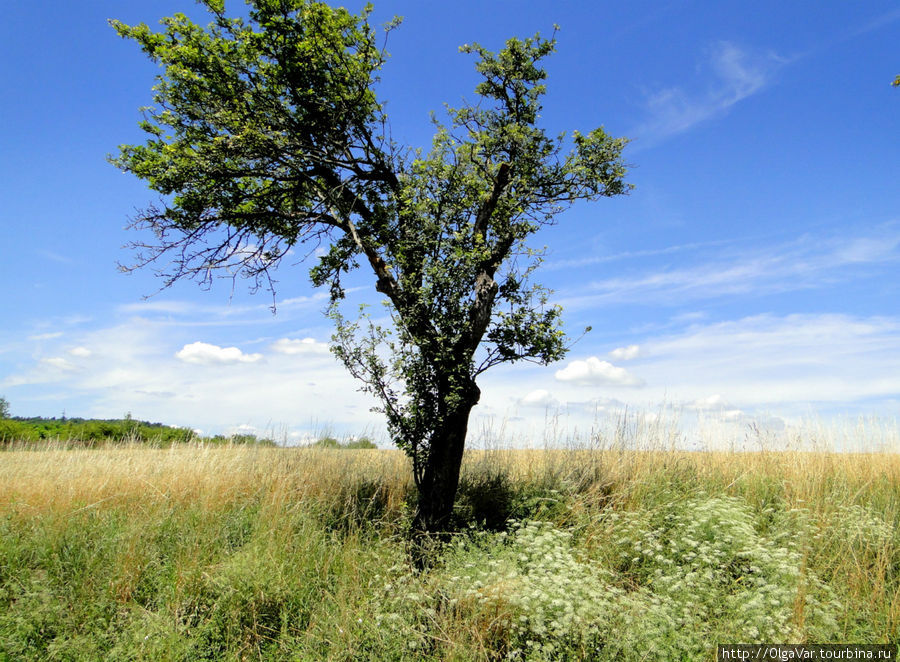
[199, 552]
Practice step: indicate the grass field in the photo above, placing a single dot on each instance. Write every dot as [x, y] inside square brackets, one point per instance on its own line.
[234, 553]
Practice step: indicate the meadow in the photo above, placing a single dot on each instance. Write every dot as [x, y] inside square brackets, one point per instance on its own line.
[216, 552]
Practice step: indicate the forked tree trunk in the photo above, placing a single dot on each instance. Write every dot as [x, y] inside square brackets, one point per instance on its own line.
[440, 477]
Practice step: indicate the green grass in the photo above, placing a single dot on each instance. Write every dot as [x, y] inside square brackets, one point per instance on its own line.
[250, 553]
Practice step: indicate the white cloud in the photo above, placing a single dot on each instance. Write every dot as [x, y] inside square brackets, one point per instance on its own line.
[187, 312]
[46, 336]
[56, 257]
[805, 263]
[713, 403]
[162, 306]
[539, 398]
[202, 353]
[80, 352]
[736, 74]
[630, 255]
[868, 249]
[134, 368]
[764, 370]
[625, 353]
[595, 371]
[772, 362]
[304, 346]
[718, 408]
[58, 363]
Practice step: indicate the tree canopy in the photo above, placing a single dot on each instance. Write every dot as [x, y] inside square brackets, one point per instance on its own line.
[266, 134]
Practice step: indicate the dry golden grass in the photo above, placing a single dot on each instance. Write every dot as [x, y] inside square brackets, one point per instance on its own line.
[53, 478]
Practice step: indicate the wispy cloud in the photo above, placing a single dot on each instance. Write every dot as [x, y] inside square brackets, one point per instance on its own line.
[58, 363]
[805, 263]
[56, 257]
[194, 314]
[46, 336]
[768, 360]
[555, 265]
[875, 23]
[731, 75]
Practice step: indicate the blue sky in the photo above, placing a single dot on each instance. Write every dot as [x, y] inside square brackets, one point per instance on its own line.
[750, 276]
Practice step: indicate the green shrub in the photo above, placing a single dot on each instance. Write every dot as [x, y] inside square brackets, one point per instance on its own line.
[361, 443]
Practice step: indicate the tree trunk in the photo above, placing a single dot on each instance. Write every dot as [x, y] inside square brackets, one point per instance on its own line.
[440, 478]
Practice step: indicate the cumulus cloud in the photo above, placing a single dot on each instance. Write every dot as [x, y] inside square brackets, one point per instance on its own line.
[625, 353]
[304, 346]
[202, 353]
[80, 352]
[593, 371]
[539, 398]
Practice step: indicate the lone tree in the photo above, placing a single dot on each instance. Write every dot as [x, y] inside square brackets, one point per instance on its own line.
[266, 133]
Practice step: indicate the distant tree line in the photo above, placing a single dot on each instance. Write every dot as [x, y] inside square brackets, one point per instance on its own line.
[92, 433]
[97, 432]
[89, 432]
[360, 443]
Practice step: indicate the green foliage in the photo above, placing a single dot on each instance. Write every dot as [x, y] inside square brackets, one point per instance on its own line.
[254, 121]
[90, 432]
[459, 304]
[327, 442]
[4, 408]
[490, 499]
[238, 439]
[266, 132]
[351, 444]
[362, 443]
[98, 432]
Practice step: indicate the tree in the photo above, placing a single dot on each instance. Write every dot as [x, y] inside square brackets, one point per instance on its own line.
[4, 408]
[266, 133]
